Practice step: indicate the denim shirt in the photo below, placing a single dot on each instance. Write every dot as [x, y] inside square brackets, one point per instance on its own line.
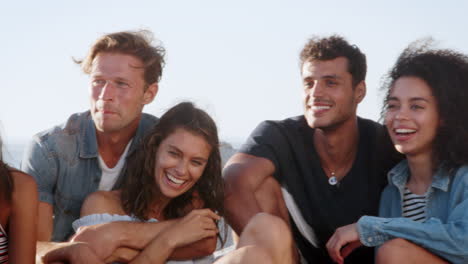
[444, 233]
[64, 162]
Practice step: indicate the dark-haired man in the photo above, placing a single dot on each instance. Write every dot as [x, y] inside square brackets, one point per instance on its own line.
[317, 171]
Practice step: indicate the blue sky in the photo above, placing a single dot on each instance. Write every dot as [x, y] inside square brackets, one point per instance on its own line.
[236, 59]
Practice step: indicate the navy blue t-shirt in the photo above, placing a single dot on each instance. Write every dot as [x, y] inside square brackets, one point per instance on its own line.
[288, 144]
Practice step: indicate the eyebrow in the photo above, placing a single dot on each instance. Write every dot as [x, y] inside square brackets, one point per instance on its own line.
[122, 79]
[331, 76]
[180, 151]
[412, 99]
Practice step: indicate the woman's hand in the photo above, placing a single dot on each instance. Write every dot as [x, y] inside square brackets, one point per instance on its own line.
[197, 225]
[347, 236]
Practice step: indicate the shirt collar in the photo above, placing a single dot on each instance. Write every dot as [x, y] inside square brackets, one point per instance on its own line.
[89, 148]
[398, 176]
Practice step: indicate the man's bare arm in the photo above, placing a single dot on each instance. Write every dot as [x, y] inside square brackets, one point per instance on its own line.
[45, 221]
[131, 235]
[44, 231]
[66, 252]
[244, 174]
[106, 238]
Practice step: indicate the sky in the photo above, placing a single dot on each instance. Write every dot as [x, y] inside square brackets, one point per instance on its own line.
[238, 60]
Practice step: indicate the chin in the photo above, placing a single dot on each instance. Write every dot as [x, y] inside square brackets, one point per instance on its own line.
[403, 150]
[312, 122]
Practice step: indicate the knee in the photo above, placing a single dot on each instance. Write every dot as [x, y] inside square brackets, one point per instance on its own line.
[269, 228]
[392, 251]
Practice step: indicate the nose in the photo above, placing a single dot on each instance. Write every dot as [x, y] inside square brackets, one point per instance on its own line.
[316, 90]
[401, 114]
[181, 168]
[107, 92]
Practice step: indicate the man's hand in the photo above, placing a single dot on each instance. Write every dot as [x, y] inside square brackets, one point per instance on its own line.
[72, 252]
[103, 239]
[347, 236]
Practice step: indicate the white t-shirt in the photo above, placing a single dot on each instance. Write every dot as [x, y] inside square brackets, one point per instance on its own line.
[109, 175]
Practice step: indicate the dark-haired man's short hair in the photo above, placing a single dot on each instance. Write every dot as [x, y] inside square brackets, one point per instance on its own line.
[332, 47]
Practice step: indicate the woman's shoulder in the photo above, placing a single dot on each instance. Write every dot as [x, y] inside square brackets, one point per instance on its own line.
[25, 187]
[101, 202]
[22, 179]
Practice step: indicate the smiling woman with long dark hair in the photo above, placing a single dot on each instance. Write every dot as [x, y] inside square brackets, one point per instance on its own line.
[175, 179]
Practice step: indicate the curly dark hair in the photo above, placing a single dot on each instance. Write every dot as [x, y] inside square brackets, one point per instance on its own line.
[139, 189]
[137, 44]
[332, 47]
[446, 73]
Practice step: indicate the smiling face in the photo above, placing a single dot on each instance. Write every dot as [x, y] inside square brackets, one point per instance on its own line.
[180, 161]
[118, 91]
[412, 116]
[328, 94]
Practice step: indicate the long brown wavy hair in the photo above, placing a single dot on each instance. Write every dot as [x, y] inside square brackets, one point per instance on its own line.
[139, 189]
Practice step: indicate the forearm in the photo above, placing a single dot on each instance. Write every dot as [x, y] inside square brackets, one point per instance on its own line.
[157, 252]
[139, 235]
[120, 234]
[446, 240]
[122, 255]
[45, 222]
[199, 249]
[195, 250]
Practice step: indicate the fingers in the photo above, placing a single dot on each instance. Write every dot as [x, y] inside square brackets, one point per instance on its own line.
[344, 236]
[57, 255]
[333, 247]
[349, 248]
[205, 219]
[206, 212]
[208, 223]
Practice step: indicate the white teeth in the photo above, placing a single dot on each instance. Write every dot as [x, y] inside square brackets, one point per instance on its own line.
[320, 107]
[404, 130]
[174, 179]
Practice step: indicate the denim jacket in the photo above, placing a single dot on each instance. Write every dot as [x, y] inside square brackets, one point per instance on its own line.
[64, 162]
[444, 233]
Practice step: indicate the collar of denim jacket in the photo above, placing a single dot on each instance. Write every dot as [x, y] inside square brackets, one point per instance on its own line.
[399, 175]
[89, 147]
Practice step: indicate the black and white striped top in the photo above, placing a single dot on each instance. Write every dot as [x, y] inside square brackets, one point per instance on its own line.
[3, 246]
[414, 206]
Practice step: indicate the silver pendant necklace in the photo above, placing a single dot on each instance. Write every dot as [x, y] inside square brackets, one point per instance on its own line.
[332, 180]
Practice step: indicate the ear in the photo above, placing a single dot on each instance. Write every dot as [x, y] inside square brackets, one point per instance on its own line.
[150, 93]
[360, 91]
